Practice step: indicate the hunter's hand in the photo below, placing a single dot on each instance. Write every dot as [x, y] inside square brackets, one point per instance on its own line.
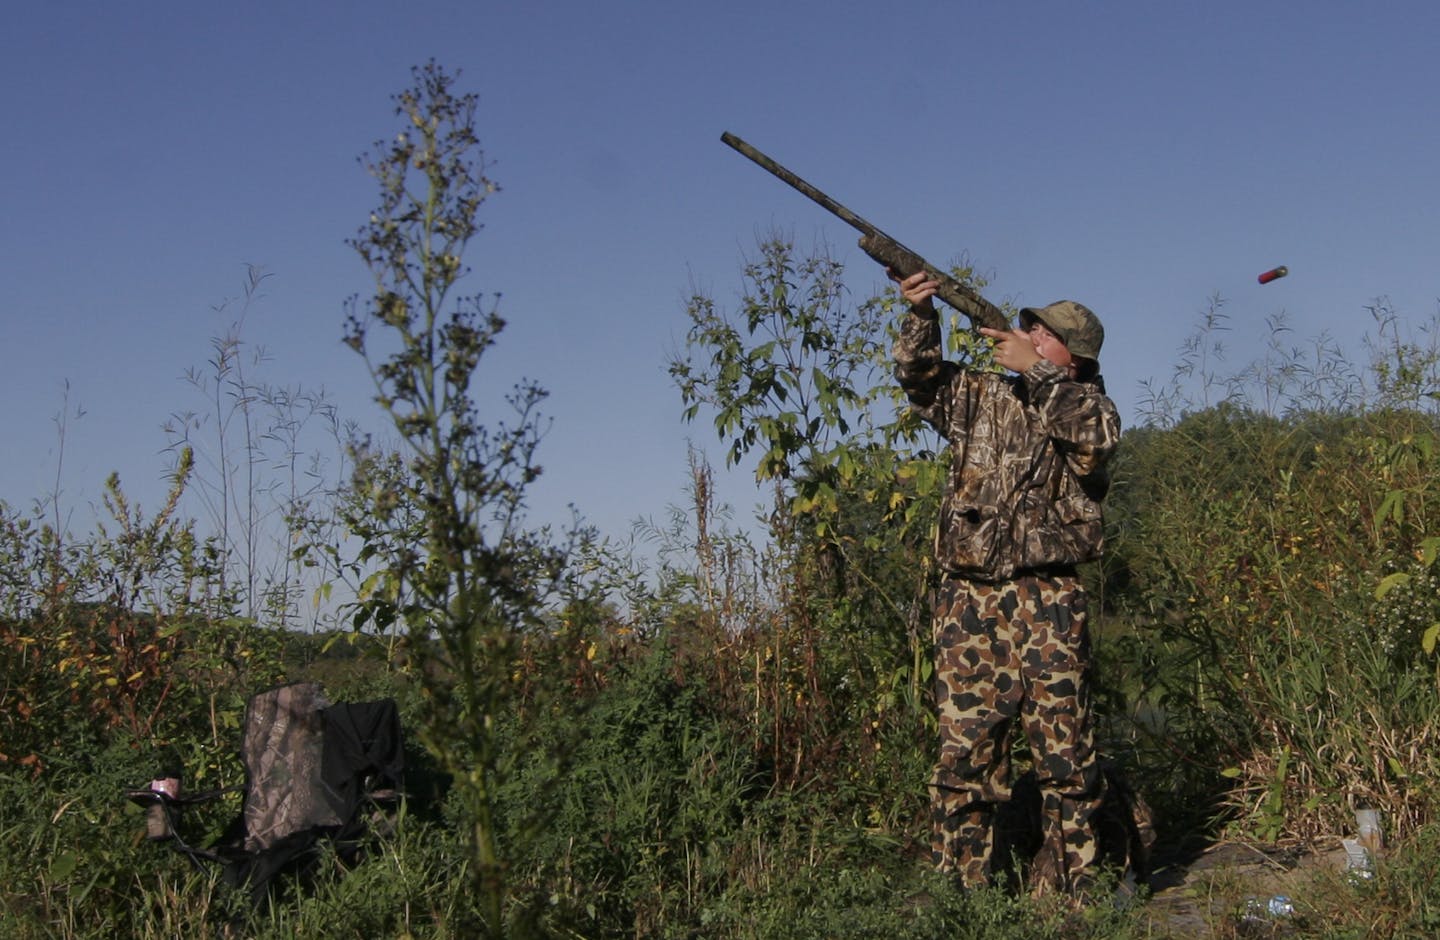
[1013, 348]
[917, 289]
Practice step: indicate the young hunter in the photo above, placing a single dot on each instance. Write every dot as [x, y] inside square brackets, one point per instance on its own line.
[1028, 453]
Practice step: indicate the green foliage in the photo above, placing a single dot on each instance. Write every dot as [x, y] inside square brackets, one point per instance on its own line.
[803, 375]
[676, 815]
[106, 638]
[793, 381]
[1276, 561]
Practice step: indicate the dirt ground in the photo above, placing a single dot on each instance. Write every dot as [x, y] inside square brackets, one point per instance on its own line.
[1221, 891]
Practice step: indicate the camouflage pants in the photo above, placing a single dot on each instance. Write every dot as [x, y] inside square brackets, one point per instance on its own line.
[1013, 651]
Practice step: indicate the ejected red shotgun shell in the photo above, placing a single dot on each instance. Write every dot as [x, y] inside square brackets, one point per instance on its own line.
[1274, 274]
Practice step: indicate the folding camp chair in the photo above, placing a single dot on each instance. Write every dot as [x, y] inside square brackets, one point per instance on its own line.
[313, 772]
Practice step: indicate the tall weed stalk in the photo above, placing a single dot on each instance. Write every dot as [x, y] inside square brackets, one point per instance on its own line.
[475, 577]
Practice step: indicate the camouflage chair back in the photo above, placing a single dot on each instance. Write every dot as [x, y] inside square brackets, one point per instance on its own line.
[282, 750]
[311, 768]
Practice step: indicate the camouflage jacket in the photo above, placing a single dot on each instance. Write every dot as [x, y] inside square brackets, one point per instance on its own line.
[1028, 458]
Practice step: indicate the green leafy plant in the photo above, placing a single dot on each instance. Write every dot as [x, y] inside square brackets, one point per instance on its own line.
[475, 577]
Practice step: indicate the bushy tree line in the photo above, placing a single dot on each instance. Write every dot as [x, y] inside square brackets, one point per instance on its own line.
[1274, 554]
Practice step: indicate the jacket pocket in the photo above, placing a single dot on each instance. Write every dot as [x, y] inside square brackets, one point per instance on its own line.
[972, 540]
[1072, 531]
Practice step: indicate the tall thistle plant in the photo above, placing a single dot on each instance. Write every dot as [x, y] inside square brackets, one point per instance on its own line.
[459, 569]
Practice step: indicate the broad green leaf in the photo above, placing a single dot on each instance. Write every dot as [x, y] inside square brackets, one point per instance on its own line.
[368, 586]
[63, 866]
[1391, 507]
[1389, 583]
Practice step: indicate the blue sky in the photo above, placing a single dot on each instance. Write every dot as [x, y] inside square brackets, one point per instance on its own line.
[1138, 156]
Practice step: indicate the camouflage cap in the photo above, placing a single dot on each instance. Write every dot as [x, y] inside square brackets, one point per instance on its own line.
[1076, 325]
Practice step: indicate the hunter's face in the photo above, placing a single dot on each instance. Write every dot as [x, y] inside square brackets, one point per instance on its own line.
[1048, 345]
